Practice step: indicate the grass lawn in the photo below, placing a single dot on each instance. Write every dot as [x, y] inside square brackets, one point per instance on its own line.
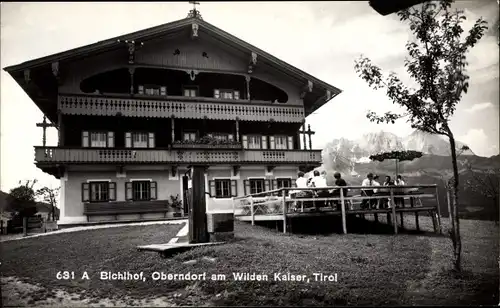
[372, 269]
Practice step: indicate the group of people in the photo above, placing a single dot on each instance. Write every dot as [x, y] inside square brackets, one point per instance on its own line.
[371, 180]
[319, 181]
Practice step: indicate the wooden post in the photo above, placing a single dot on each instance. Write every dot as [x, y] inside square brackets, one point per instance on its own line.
[198, 232]
[247, 79]
[60, 129]
[237, 130]
[131, 70]
[342, 210]
[434, 221]
[412, 204]
[25, 226]
[402, 220]
[172, 121]
[252, 210]
[284, 210]
[375, 215]
[395, 218]
[1, 227]
[304, 135]
[438, 212]
[309, 132]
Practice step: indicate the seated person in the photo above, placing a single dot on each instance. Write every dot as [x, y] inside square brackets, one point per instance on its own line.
[301, 182]
[320, 181]
[369, 181]
[384, 203]
[339, 181]
[400, 201]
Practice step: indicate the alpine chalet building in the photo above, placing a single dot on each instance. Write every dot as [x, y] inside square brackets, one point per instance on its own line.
[134, 112]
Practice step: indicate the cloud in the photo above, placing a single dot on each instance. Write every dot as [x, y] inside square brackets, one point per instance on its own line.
[479, 142]
[478, 107]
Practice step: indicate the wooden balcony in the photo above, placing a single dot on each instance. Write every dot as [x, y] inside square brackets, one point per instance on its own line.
[55, 155]
[180, 107]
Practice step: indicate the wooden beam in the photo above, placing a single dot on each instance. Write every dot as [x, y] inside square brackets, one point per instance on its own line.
[27, 77]
[270, 168]
[198, 232]
[236, 169]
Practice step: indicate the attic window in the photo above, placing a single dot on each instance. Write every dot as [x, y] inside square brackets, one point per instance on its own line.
[177, 52]
[226, 94]
[152, 90]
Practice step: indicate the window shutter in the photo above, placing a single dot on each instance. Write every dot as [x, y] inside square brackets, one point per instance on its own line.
[128, 191]
[246, 187]
[294, 183]
[211, 185]
[112, 191]
[111, 139]
[290, 142]
[151, 143]
[153, 190]
[274, 184]
[266, 185]
[85, 192]
[216, 93]
[236, 94]
[163, 91]
[271, 143]
[230, 137]
[85, 139]
[234, 188]
[264, 142]
[128, 140]
[141, 89]
[244, 139]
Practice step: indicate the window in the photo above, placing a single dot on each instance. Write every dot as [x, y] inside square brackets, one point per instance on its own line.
[152, 90]
[256, 186]
[226, 94]
[283, 183]
[143, 190]
[98, 191]
[222, 188]
[189, 136]
[281, 142]
[254, 142]
[190, 91]
[139, 140]
[98, 139]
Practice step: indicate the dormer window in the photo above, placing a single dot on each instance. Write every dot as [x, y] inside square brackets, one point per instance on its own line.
[226, 94]
[152, 90]
[190, 91]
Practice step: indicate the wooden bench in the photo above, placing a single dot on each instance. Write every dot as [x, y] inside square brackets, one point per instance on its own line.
[125, 207]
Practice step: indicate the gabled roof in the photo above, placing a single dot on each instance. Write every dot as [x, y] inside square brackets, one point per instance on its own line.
[159, 30]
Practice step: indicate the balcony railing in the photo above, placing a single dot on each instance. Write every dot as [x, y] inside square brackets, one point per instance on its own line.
[48, 155]
[179, 107]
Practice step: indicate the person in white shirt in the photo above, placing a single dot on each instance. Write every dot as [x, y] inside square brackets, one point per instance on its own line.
[369, 181]
[319, 180]
[301, 182]
[400, 202]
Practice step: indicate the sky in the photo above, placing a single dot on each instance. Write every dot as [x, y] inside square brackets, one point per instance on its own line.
[321, 38]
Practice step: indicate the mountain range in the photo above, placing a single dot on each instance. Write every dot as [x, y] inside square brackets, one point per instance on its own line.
[359, 150]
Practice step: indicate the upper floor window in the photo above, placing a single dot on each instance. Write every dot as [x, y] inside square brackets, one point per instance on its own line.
[98, 139]
[190, 91]
[97, 191]
[254, 142]
[139, 140]
[189, 136]
[280, 142]
[152, 90]
[226, 94]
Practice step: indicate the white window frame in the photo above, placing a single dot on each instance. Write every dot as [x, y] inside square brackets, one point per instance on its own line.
[230, 192]
[130, 139]
[109, 139]
[263, 178]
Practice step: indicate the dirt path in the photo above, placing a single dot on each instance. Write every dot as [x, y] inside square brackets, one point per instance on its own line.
[16, 293]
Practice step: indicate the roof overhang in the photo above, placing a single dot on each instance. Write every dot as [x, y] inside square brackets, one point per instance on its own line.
[320, 91]
[384, 7]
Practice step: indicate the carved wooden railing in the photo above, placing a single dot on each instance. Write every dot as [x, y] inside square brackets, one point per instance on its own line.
[201, 156]
[180, 108]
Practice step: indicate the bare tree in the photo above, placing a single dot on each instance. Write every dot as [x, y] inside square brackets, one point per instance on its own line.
[437, 63]
[49, 195]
